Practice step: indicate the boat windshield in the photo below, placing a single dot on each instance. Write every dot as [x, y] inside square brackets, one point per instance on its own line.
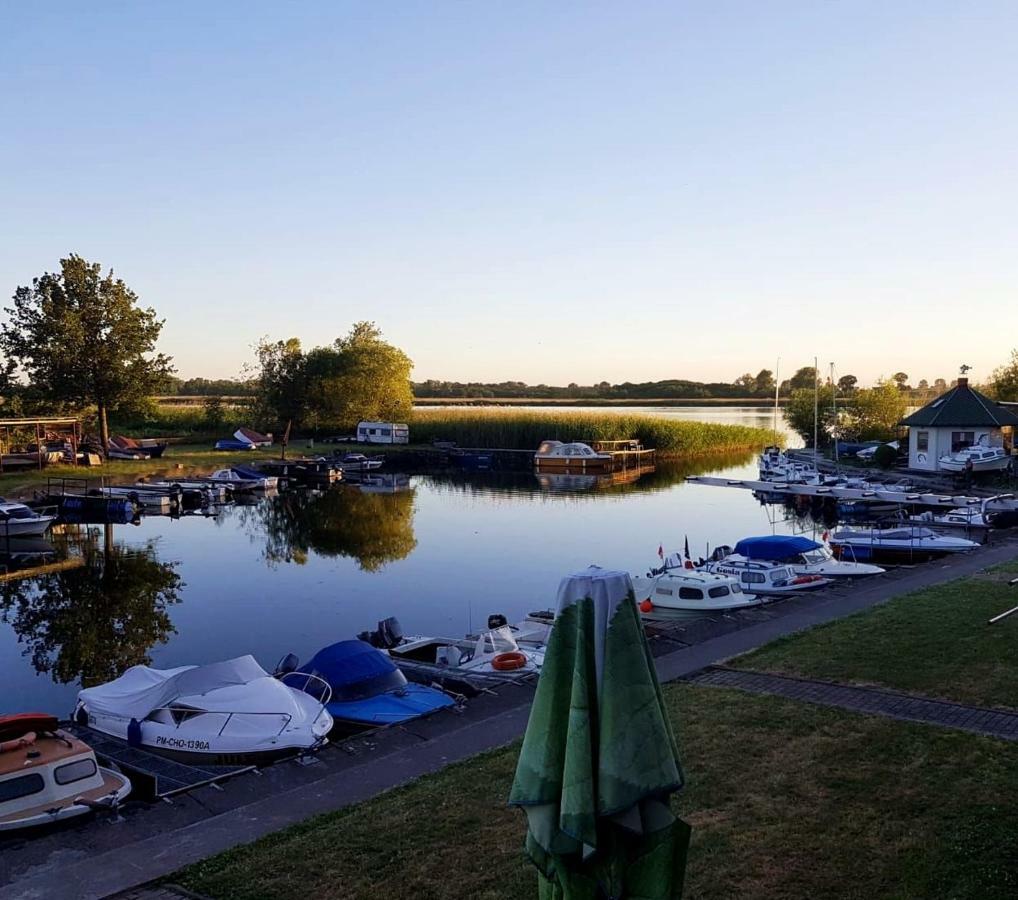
[500, 640]
[19, 512]
[819, 555]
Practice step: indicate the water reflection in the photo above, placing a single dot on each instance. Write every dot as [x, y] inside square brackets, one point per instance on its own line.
[98, 614]
[372, 523]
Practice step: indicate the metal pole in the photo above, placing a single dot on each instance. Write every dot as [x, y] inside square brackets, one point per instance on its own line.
[834, 416]
[777, 388]
[816, 408]
[1012, 611]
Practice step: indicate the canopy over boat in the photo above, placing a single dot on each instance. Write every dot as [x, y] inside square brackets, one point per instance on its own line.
[775, 546]
[140, 690]
[354, 669]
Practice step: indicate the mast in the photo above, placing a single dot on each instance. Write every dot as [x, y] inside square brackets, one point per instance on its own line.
[834, 415]
[816, 408]
[777, 383]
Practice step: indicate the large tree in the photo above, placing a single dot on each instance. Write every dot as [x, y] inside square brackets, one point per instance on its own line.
[799, 409]
[81, 338]
[876, 411]
[1004, 380]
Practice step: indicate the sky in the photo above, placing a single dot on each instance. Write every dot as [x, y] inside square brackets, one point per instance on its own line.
[530, 191]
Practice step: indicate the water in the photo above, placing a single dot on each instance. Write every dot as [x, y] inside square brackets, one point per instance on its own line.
[301, 569]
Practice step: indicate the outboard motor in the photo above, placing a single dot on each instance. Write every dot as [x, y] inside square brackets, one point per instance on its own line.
[287, 664]
[497, 620]
[388, 634]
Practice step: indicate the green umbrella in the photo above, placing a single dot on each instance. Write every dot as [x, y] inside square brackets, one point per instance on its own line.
[599, 761]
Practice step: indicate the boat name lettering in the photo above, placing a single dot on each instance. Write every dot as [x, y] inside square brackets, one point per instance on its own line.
[182, 744]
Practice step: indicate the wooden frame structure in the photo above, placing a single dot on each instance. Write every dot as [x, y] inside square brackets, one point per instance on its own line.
[68, 426]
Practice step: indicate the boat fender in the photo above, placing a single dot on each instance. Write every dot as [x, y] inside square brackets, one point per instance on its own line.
[646, 606]
[508, 662]
[134, 733]
[26, 740]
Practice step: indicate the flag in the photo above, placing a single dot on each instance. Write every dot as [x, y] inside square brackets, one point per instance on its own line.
[661, 551]
[687, 547]
[825, 536]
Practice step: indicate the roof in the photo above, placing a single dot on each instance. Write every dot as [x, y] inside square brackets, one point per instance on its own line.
[962, 406]
[774, 546]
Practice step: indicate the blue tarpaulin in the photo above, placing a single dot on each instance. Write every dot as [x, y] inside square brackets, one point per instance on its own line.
[774, 546]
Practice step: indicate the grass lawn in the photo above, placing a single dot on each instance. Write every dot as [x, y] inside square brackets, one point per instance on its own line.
[786, 800]
[935, 641]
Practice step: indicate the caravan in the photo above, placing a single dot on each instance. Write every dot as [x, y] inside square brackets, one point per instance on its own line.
[383, 433]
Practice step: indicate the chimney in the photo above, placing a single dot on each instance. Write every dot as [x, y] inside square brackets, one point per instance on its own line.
[963, 381]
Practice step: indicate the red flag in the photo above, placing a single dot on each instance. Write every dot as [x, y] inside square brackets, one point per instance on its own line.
[661, 551]
[826, 535]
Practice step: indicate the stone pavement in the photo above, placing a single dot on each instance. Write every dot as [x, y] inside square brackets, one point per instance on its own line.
[868, 700]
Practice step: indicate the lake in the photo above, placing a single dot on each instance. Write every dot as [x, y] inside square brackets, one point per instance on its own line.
[298, 570]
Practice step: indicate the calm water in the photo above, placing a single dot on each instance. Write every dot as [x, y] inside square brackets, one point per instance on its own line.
[301, 569]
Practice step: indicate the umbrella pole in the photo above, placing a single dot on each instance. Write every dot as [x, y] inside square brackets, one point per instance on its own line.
[1012, 611]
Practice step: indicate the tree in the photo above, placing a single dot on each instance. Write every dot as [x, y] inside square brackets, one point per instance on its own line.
[764, 382]
[747, 382]
[799, 410]
[901, 380]
[1004, 380]
[282, 385]
[940, 385]
[847, 383]
[876, 411]
[804, 378]
[923, 385]
[82, 338]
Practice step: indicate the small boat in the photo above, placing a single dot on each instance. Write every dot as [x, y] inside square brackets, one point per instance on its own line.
[575, 456]
[690, 590]
[233, 444]
[230, 712]
[47, 775]
[803, 556]
[17, 519]
[242, 479]
[909, 543]
[971, 517]
[268, 482]
[769, 579]
[358, 462]
[367, 688]
[122, 447]
[534, 630]
[982, 458]
[253, 437]
[457, 663]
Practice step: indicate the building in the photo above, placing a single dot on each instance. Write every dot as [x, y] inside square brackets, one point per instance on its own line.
[958, 418]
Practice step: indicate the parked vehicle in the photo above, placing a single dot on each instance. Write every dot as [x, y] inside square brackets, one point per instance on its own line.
[383, 433]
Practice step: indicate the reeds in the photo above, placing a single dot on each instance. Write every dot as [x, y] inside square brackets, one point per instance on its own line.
[517, 430]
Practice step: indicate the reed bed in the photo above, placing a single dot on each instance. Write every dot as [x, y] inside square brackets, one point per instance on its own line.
[509, 429]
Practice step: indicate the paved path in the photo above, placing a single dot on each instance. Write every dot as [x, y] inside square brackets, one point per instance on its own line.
[872, 701]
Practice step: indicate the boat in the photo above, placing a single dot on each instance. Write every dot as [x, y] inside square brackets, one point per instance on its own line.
[803, 556]
[534, 630]
[47, 775]
[253, 437]
[243, 479]
[17, 519]
[575, 456]
[358, 462]
[368, 690]
[982, 458]
[459, 664]
[971, 517]
[230, 713]
[912, 543]
[233, 444]
[675, 587]
[763, 577]
[130, 448]
[268, 482]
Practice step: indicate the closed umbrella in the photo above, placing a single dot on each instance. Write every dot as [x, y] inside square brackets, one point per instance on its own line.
[599, 760]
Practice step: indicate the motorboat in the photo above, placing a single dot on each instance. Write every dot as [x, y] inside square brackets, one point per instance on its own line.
[47, 775]
[574, 456]
[358, 462]
[121, 447]
[776, 465]
[244, 479]
[803, 556]
[763, 577]
[367, 688]
[690, 590]
[253, 437]
[17, 519]
[460, 664]
[970, 517]
[981, 457]
[534, 630]
[230, 712]
[233, 444]
[909, 543]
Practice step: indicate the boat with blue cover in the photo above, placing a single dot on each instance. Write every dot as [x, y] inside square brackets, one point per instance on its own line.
[368, 690]
[803, 556]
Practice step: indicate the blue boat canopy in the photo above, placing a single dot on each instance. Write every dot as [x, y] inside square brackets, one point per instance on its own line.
[354, 670]
[774, 546]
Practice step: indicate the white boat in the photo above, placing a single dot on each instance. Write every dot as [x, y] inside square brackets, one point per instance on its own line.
[768, 579]
[983, 459]
[21, 520]
[47, 775]
[909, 542]
[533, 630]
[244, 480]
[227, 712]
[358, 462]
[494, 655]
[575, 456]
[775, 465]
[971, 517]
[803, 556]
[678, 588]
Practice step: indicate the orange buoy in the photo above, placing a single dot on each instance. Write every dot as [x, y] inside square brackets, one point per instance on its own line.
[507, 662]
[646, 606]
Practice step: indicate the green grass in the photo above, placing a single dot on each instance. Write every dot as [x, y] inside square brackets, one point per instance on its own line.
[935, 641]
[515, 430]
[786, 800]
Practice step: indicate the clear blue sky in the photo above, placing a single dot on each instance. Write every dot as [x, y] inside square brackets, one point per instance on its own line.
[541, 191]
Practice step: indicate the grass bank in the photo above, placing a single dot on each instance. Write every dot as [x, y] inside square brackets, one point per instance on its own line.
[517, 430]
[786, 800]
[934, 641]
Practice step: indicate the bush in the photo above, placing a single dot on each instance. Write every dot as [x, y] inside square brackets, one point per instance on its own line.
[885, 456]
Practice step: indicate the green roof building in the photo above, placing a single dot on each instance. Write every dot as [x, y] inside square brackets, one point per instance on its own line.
[961, 417]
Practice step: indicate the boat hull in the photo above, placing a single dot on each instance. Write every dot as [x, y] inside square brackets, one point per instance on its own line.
[946, 464]
[26, 527]
[116, 788]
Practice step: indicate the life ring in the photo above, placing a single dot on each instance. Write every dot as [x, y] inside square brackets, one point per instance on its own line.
[508, 662]
[18, 743]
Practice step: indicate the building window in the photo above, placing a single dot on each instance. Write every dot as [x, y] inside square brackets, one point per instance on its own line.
[922, 441]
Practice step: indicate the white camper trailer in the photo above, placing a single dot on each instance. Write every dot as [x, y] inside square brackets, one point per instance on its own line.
[383, 433]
